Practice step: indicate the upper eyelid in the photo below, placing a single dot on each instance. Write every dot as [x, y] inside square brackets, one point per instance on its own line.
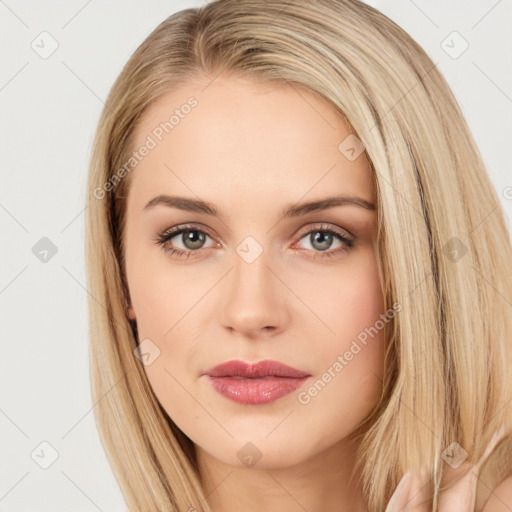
[326, 226]
[176, 230]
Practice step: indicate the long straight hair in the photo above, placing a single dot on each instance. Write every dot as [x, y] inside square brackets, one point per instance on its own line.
[443, 247]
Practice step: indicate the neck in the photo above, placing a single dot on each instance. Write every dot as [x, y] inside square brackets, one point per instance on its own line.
[324, 482]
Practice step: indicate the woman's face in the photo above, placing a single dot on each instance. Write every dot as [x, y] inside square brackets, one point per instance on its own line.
[249, 283]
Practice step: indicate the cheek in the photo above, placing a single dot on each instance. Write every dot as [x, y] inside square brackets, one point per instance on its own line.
[349, 342]
[360, 301]
[161, 302]
[346, 298]
[160, 295]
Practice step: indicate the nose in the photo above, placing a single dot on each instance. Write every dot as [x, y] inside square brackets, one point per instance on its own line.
[255, 300]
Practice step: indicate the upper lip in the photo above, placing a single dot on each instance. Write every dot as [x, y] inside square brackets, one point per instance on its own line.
[265, 368]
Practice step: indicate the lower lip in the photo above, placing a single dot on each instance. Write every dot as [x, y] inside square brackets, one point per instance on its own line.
[255, 391]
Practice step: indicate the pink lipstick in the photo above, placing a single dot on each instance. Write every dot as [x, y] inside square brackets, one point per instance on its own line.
[255, 383]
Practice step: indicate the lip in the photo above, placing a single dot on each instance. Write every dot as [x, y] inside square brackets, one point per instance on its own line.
[264, 368]
[255, 383]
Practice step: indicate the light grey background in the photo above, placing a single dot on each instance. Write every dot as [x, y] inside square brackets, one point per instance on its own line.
[49, 110]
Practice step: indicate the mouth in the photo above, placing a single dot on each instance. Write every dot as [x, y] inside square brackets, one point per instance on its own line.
[265, 368]
[255, 383]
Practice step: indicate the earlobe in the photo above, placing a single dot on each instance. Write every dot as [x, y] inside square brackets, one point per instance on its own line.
[131, 313]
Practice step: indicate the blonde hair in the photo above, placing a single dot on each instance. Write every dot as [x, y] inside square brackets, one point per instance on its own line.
[443, 247]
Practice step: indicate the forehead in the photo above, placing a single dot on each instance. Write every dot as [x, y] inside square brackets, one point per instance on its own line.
[252, 139]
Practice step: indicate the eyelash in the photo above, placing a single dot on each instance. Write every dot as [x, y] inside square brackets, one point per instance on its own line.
[164, 237]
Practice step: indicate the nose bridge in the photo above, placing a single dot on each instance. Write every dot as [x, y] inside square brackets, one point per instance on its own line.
[254, 298]
[252, 266]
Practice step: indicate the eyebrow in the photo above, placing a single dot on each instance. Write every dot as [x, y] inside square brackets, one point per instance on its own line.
[291, 210]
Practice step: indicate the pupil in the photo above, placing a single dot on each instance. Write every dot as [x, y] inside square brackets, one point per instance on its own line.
[193, 239]
[320, 237]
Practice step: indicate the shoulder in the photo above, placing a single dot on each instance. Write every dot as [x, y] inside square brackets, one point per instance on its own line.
[500, 499]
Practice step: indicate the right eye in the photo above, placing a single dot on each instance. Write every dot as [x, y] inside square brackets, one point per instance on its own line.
[190, 236]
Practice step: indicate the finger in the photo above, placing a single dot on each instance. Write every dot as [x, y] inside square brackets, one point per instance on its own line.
[411, 494]
[461, 496]
[420, 493]
[399, 497]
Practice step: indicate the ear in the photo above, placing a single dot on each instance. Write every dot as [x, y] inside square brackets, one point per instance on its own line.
[131, 313]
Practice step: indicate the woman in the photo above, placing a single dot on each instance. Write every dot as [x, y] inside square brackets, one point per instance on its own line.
[299, 295]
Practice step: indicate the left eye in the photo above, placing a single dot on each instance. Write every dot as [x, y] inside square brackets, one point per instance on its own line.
[322, 239]
[193, 239]
[323, 236]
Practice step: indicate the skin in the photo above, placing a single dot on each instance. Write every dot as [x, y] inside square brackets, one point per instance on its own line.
[459, 484]
[252, 149]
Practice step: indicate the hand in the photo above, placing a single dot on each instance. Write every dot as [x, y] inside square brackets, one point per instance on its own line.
[413, 493]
